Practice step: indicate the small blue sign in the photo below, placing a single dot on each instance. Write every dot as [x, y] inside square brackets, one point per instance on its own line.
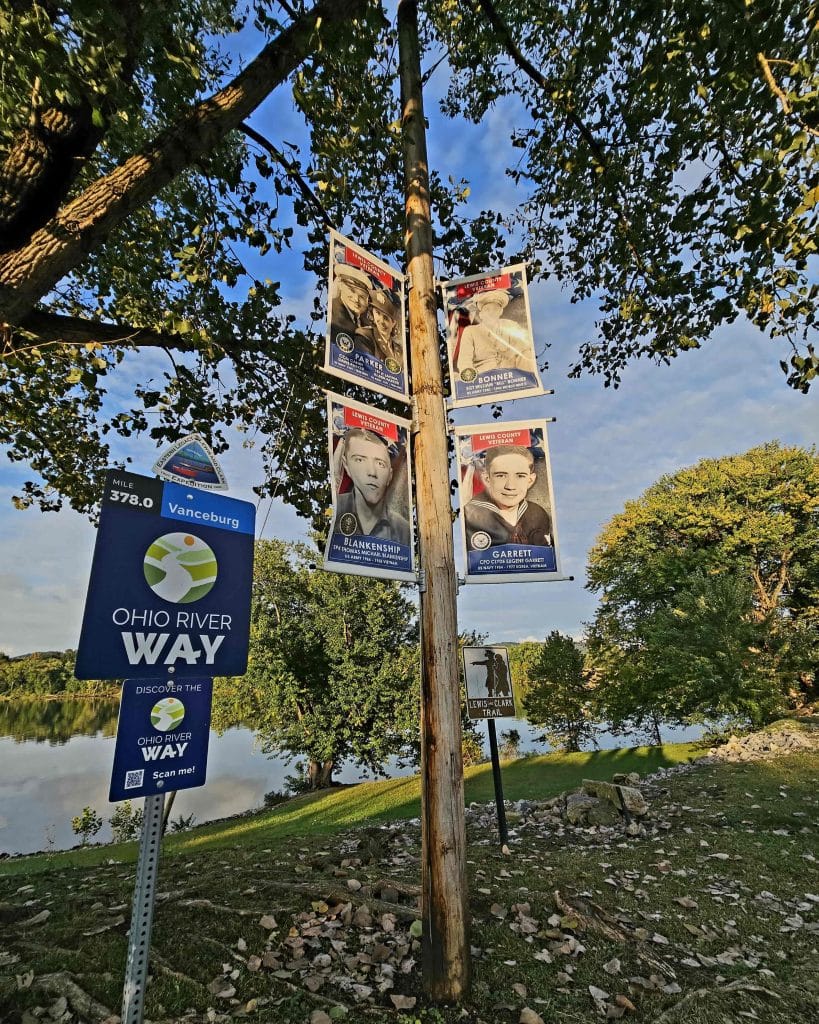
[162, 737]
[170, 583]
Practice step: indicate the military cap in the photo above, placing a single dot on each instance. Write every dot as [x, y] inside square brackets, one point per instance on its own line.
[499, 296]
[379, 299]
[352, 276]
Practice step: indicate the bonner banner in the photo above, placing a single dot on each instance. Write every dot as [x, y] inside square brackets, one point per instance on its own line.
[507, 507]
[370, 473]
[490, 343]
[366, 339]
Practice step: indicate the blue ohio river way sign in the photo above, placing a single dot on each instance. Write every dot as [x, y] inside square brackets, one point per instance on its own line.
[170, 583]
[162, 737]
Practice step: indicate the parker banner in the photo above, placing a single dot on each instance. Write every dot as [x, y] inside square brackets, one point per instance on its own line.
[170, 583]
[370, 474]
[366, 337]
[507, 506]
[490, 343]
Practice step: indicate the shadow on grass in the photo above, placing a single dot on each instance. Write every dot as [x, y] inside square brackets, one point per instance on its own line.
[326, 812]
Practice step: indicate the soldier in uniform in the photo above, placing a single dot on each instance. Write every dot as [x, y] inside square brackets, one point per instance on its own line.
[351, 296]
[379, 338]
[364, 510]
[501, 514]
[494, 343]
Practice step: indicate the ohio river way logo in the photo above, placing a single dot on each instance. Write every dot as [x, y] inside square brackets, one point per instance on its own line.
[167, 714]
[180, 568]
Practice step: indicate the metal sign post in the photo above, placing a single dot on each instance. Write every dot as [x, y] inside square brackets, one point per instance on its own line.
[142, 913]
[496, 777]
[169, 596]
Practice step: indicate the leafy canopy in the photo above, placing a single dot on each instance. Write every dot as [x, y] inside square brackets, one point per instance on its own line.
[559, 695]
[709, 591]
[664, 157]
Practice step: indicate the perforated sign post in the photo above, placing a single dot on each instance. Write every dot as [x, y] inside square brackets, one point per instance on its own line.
[162, 743]
[168, 608]
[489, 695]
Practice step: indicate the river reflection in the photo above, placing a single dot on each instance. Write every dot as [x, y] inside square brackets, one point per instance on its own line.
[56, 756]
[57, 721]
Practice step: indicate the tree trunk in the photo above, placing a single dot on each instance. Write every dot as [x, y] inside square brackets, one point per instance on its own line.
[29, 272]
[656, 735]
[320, 774]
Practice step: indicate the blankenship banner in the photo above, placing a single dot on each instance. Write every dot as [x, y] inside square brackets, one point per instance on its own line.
[370, 474]
[366, 338]
[490, 343]
[507, 506]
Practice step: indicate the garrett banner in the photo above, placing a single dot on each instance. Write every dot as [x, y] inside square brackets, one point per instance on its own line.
[507, 508]
[370, 474]
[366, 339]
[490, 343]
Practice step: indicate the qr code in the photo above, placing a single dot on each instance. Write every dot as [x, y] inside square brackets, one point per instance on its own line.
[133, 780]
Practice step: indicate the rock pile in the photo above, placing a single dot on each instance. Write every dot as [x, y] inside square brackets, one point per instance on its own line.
[767, 744]
[617, 806]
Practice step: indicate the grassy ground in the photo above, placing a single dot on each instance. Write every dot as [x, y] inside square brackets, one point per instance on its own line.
[709, 919]
[374, 802]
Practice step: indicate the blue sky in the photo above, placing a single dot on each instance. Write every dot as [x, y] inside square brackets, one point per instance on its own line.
[607, 446]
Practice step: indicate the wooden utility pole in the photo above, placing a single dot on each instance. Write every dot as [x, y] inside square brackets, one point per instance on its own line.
[444, 905]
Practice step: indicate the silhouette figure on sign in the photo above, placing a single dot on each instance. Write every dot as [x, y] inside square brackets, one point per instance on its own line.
[491, 664]
[501, 677]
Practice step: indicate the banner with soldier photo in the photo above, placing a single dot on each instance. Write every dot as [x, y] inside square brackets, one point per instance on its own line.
[366, 338]
[507, 504]
[490, 343]
[369, 455]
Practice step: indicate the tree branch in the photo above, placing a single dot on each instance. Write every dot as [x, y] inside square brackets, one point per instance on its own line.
[598, 152]
[58, 329]
[292, 169]
[528, 68]
[29, 272]
[781, 95]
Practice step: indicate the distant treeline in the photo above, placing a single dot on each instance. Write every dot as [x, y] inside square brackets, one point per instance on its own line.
[47, 672]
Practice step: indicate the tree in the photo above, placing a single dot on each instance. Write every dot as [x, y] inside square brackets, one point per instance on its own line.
[559, 696]
[709, 592]
[665, 163]
[136, 201]
[333, 665]
[667, 159]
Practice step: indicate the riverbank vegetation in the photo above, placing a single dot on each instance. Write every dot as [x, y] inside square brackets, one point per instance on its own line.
[48, 674]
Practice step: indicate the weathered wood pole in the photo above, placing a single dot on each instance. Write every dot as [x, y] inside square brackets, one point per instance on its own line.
[444, 905]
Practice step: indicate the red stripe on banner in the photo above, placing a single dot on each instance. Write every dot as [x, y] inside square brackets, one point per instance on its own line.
[355, 418]
[496, 437]
[486, 284]
[353, 258]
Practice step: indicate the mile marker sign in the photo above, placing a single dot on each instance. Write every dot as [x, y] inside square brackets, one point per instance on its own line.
[170, 583]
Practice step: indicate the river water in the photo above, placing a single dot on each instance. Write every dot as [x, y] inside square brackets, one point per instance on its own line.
[56, 757]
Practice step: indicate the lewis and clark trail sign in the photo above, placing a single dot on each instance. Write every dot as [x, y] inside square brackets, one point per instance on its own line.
[170, 583]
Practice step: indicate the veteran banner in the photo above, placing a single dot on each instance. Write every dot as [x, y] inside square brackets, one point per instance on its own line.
[370, 474]
[366, 337]
[490, 344]
[507, 505]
